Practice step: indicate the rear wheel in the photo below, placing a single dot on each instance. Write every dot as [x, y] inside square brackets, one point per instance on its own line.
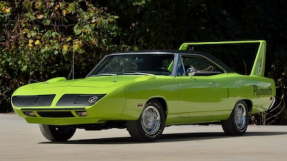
[238, 120]
[150, 125]
[57, 133]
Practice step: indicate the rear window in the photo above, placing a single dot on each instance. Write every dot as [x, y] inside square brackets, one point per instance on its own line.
[238, 57]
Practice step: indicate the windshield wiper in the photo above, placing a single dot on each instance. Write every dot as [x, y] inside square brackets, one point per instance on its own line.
[113, 74]
[137, 73]
[104, 74]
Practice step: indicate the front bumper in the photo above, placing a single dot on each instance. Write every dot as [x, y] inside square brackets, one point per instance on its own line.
[109, 108]
[62, 121]
[57, 116]
[101, 112]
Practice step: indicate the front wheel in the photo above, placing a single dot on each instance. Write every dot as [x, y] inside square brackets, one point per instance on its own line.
[150, 125]
[238, 120]
[57, 133]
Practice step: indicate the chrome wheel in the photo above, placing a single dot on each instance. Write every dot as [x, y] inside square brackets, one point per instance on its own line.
[240, 116]
[151, 120]
[150, 124]
[237, 123]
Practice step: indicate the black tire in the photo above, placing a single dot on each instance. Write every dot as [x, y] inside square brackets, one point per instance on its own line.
[57, 133]
[136, 129]
[231, 126]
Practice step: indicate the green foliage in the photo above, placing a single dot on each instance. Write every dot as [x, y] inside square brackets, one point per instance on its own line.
[38, 38]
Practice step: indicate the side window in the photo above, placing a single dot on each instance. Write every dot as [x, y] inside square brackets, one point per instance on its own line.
[198, 64]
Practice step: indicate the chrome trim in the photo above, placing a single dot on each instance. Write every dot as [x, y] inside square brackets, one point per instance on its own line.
[151, 120]
[240, 116]
[272, 103]
[52, 109]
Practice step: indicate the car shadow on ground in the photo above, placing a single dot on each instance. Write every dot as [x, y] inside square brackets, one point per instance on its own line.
[175, 137]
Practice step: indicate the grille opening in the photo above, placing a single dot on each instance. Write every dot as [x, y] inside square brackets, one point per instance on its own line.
[53, 114]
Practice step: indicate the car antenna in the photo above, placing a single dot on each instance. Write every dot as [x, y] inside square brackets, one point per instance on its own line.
[73, 65]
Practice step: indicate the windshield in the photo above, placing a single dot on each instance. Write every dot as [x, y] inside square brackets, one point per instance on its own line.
[137, 64]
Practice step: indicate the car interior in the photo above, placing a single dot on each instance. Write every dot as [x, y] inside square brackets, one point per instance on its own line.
[195, 65]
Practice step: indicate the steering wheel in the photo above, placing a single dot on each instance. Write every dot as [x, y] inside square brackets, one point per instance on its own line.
[210, 68]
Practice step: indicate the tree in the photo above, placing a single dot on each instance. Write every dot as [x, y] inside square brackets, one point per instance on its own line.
[38, 38]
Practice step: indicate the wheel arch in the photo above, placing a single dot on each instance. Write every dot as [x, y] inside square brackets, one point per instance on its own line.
[249, 104]
[162, 101]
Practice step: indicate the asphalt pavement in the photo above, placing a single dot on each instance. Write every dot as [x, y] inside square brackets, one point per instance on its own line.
[20, 141]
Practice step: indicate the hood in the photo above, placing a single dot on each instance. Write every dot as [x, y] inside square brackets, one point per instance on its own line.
[97, 83]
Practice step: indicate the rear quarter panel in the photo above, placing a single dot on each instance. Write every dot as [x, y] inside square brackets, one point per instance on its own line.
[259, 90]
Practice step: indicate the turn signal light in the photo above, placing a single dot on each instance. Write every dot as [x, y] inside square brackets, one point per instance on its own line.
[81, 113]
[30, 113]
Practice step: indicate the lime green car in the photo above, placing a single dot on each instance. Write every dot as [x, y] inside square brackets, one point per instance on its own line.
[146, 91]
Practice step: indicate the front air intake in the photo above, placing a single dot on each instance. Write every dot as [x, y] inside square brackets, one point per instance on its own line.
[32, 100]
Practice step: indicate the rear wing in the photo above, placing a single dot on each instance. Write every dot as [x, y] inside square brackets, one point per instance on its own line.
[258, 67]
